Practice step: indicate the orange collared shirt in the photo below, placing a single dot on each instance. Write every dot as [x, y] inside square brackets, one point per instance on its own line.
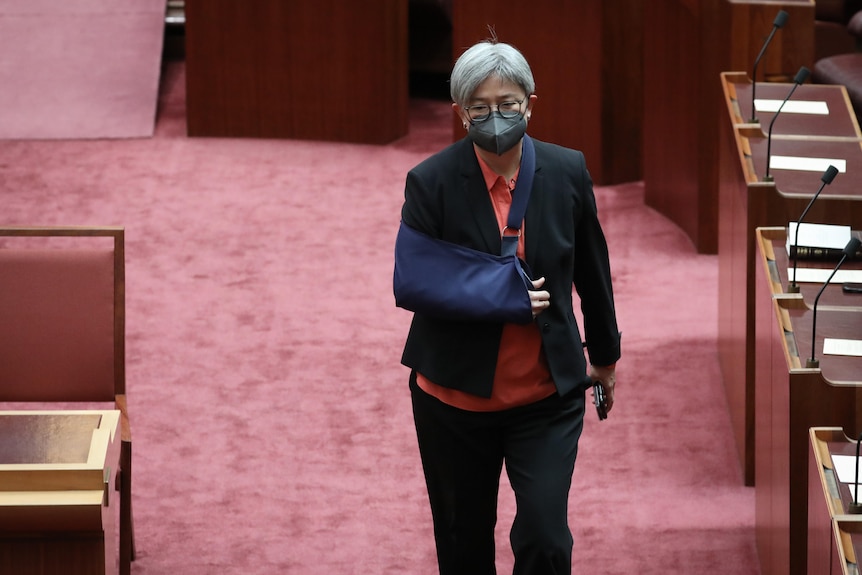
[521, 376]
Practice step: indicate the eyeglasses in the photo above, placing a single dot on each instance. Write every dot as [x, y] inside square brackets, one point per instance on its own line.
[482, 112]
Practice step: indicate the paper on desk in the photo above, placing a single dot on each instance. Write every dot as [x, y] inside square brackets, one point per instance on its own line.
[836, 346]
[792, 106]
[806, 164]
[818, 236]
[816, 275]
[845, 468]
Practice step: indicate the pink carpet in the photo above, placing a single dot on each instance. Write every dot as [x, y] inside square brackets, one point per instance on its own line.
[79, 68]
[270, 415]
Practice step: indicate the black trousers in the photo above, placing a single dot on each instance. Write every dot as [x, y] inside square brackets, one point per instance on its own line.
[463, 454]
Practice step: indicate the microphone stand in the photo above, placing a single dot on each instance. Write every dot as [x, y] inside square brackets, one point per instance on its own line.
[855, 506]
[800, 77]
[849, 249]
[779, 21]
[827, 178]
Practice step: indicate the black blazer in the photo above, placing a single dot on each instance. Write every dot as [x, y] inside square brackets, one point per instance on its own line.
[446, 198]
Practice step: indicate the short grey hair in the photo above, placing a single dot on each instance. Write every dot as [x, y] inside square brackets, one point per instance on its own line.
[486, 59]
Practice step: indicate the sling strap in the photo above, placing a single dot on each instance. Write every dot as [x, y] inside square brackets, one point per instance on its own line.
[520, 198]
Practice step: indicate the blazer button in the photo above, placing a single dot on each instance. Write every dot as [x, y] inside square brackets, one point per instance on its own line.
[546, 327]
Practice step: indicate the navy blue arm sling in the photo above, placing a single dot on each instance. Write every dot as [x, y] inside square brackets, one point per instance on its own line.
[445, 280]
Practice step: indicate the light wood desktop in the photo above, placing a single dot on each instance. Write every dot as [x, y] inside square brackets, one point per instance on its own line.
[58, 504]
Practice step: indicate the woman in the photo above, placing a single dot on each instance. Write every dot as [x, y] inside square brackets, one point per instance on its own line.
[488, 392]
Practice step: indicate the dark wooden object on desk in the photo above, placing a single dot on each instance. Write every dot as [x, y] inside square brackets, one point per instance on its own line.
[304, 69]
[687, 44]
[790, 399]
[589, 76]
[746, 202]
[780, 263]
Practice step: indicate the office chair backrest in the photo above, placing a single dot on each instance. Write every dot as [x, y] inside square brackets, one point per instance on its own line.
[62, 318]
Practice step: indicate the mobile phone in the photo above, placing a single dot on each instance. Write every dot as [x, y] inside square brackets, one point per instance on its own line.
[600, 401]
[850, 287]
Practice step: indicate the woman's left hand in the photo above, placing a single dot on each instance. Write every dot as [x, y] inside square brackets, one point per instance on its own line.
[539, 299]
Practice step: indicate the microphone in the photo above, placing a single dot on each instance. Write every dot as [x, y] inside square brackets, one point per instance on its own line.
[855, 506]
[849, 250]
[800, 77]
[779, 21]
[826, 178]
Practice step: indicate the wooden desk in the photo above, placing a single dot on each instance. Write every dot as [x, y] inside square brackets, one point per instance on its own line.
[746, 203]
[305, 69]
[687, 44]
[840, 122]
[790, 399]
[58, 508]
[828, 500]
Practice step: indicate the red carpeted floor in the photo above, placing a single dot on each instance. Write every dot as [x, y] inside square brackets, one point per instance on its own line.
[79, 68]
[270, 414]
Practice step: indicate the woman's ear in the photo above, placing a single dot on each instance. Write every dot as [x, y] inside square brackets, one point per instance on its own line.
[530, 102]
[462, 114]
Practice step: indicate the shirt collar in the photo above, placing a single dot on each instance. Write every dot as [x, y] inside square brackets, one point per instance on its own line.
[491, 177]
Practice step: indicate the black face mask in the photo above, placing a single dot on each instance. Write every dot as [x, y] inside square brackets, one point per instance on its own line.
[498, 134]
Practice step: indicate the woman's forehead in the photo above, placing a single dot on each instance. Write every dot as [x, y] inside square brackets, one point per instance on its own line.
[496, 86]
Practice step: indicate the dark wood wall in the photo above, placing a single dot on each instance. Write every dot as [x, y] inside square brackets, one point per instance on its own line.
[306, 69]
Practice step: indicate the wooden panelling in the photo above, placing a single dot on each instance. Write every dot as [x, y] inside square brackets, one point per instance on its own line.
[306, 69]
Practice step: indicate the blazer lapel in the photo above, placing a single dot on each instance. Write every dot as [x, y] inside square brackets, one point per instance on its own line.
[533, 229]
